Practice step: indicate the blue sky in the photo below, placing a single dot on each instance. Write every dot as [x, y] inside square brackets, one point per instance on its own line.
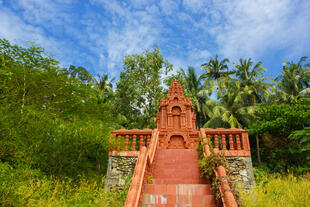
[97, 34]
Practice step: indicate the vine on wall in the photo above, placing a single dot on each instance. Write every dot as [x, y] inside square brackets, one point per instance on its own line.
[208, 164]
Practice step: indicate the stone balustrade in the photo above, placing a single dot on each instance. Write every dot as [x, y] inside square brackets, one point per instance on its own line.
[131, 140]
[228, 198]
[229, 142]
[143, 164]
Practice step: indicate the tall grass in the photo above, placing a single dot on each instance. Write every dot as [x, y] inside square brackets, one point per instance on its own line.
[23, 186]
[279, 190]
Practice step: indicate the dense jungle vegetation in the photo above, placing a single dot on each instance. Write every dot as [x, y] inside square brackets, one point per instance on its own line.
[55, 122]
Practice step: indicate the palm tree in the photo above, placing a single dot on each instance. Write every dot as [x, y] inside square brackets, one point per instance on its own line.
[214, 68]
[104, 88]
[252, 80]
[294, 81]
[196, 90]
[230, 111]
[192, 85]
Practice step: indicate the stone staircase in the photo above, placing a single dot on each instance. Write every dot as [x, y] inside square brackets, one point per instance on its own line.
[169, 153]
[177, 181]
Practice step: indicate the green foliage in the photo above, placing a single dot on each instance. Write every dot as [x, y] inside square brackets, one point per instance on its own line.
[139, 90]
[294, 81]
[54, 132]
[253, 81]
[201, 145]
[150, 180]
[284, 129]
[50, 118]
[55, 122]
[24, 186]
[231, 110]
[214, 68]
[301, 139]
[282, 119]
[56, 147]
[209, 163]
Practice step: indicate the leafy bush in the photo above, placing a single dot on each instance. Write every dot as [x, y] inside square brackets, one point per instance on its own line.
[54, 132]
[284, 129]
[58, 148]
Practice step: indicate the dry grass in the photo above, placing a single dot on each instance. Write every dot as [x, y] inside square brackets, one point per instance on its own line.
[28, 187]
[277, 190]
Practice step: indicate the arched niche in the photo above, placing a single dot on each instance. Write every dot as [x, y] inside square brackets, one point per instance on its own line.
[176, 117]
[176, 142]
[171, 106]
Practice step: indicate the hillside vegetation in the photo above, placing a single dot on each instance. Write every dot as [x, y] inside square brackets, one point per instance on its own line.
[55, 122]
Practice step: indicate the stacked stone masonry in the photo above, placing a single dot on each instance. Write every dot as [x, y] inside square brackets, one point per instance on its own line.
[120, 168]
[241, 172]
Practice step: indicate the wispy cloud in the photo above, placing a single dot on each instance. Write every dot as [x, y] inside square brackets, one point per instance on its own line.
[99, 33]
[254, 28]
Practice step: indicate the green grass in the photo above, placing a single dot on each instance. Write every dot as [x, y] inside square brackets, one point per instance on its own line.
[23, 186]
[279, 190]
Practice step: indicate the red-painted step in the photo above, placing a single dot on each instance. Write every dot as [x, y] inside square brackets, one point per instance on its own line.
[177, 181]
[177, 166]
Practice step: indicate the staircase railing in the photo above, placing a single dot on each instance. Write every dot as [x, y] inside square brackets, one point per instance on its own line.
[131, 140]
[228, 198]
[145, 159]
[229, 142]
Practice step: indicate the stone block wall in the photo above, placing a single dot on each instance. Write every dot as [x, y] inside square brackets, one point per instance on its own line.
[241, 172]
[119, 168]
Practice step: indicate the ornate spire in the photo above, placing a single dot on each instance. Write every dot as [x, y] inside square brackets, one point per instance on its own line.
[175, 90]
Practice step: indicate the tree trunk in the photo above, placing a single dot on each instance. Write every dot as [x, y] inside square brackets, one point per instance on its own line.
[24, 93]
[257, 149]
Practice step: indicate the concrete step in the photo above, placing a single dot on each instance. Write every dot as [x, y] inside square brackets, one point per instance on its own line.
[177, 195]
[180, 181]
[176, 205]
[178, 189]
[178, 200]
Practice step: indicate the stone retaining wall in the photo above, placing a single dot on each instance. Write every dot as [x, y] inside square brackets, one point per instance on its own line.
[119, 168]
[241, 172]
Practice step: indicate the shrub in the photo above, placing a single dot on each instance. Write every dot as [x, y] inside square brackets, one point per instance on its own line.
[55, 146]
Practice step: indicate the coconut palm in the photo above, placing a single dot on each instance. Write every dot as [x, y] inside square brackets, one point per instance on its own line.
[214, 68]
[294, 81]
[104, 88]
[230, 111]
[252, 80]
[197, 91]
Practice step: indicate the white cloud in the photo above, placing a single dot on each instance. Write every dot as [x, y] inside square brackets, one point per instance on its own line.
[189, 31]
[195, 5]
[16, 30]
[138, 31]
[43, 13]
[252, 28]
[169, 6]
